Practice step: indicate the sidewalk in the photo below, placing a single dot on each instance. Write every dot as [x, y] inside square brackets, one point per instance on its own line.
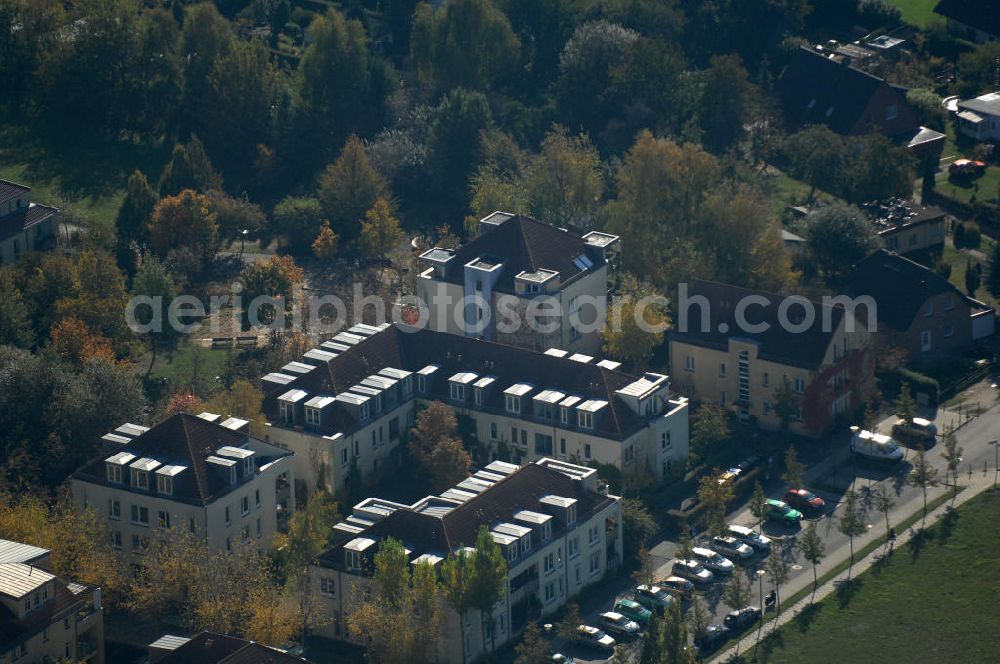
[977, 484]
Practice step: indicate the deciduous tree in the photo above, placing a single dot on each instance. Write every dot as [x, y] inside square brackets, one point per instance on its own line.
[636, 323]
[716, 495]
[348, 188]
[380, 231]
[186, 220]
[565, 184]
[852, 522]
[812, 548]
[838, 236]
[326, 242]
[922, 474]
[299, 219]
[758, 503]
[794, 469]
[709, 428]
[275, 279]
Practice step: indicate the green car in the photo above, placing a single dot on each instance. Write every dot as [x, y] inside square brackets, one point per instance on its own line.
[633, 611]
[779, 511]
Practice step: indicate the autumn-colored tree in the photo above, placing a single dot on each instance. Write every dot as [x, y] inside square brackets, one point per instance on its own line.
[380, 231]
[636, 323]
[326, 242]
[449, 464]
[275, 279]
[348, 188]
[565, 184]
[716, 496]
[73, 341]
[434, 423]
[184, 402]
[96, 296]
[186, 220]
[242, 400]
[78, 539]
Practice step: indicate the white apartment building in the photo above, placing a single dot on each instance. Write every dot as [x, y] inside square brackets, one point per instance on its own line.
[556, 524]
[24, 226]
[198, 473]
[518, 265]
[44, 618]
[348, 404]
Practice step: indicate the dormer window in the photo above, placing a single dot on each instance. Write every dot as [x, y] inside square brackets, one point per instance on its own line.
[353, 560]
[571, 515]
[457, 392]
[513, 404]
[564, 415]
[478, 396]
[248, 466]
[525, 545]
[585, 419]
[512, 552]
[312, 416]
[140, 479]
[114, 473]
[164, 485]
[287, 413]
[364, 411]
[546, 531]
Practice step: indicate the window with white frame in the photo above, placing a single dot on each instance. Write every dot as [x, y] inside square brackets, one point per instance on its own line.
[546, 531]
[287, 412]
[114, 509]
[114, 473]
[688, 363]
[477, 396]
[116, 539]
[140, 479]
[665, 442]
[163, 519]
[513, 404]
[245, 505]
[164, 485]
[328, 586]
[595, 563]
[592, 534]
[525, 545]
[353, 560]
[550, 592]
[140, 515]
[421, 383]
[564, 415]
[312, 416]
[571, 515]
[800, 386]
[573, 548]
[549, 563]
[586, 419]
[457, 391]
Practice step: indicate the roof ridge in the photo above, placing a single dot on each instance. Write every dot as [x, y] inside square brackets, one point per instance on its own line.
[524, 240]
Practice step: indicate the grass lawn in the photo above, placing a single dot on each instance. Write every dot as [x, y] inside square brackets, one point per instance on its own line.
[918, 12]
[959, 260]
[786, 190]
[893, 613]
[85, 180]
[178, 367]
[986, 189]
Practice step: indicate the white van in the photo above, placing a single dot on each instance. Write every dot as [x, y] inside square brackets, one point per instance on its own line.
[874, 446]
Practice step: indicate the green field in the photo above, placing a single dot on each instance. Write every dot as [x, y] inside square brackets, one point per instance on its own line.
[918, 12]
[933, 600]
[179, 366]
[986, 189]
[85, 181]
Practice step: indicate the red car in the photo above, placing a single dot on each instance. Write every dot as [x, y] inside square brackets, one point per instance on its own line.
[967, 168]
[804, 500]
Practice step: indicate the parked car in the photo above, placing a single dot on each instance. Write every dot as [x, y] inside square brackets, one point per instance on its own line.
[616, 623]
[692, 570]
[738, 619]
[714, 636]
[917, 431]
[780, 511]
[967, 168]
[804, 501]
[750, 537]
[677, 586]
[632, 610]
[874, 447]
[592, 636]
[734, 473]
[712, 560]
[731, 547]
[653, 597]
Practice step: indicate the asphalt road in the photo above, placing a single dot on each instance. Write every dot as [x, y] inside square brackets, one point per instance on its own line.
[831, 485]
